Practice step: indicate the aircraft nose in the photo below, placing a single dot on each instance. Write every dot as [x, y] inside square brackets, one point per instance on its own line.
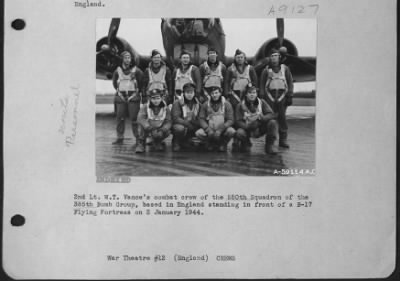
[198, 29]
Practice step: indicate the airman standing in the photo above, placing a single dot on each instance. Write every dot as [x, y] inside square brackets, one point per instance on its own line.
[158, 76]
[184, 73]
[212, 72]
[127, 80]
[239, 75]
[276, 87]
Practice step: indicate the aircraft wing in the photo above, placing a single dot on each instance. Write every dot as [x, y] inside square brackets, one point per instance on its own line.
[302, 68]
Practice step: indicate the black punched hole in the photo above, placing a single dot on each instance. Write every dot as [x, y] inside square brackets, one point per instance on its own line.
[18, 24]
[17, 220]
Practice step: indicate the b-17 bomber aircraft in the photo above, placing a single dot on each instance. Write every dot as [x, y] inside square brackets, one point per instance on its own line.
[197, 35]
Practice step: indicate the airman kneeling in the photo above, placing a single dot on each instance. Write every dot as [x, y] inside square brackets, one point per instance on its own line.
[216, 121]
[185, 117]
[154, 120]
[255, 118]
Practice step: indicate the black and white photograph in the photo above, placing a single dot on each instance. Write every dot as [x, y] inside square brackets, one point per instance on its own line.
[207, 139]
[205, 97]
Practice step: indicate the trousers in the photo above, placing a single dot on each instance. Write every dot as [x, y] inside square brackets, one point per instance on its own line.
[142, 134]
[280, 109]
[226, 135]
[126, 110]
[269, 128]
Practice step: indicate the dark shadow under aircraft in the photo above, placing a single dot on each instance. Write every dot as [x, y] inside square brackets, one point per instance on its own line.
[196, 35]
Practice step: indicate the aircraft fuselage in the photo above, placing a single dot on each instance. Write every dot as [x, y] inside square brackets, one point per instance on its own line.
[195, 36]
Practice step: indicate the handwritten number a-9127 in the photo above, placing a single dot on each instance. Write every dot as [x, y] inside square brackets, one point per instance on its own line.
[297, 9]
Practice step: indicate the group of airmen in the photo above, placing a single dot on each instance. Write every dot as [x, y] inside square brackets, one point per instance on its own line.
[205, 106]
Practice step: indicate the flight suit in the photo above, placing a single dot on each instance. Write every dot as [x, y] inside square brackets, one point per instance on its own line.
[127, 82]
[158, 78]
[276, 87]
[255, 120]
[212, 75]
[236, 82]
[185, 119]
[154, 121]
[216, 121]
[180, 78]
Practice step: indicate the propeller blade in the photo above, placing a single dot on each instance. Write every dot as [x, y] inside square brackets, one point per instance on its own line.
[280, 30]
[112, 32]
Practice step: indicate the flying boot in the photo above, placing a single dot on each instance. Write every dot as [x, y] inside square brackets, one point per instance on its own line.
[118, 141]
[245, 145]
[236, 143]
[269, 145]
[223, 147]
[140, 148]
[283, 140]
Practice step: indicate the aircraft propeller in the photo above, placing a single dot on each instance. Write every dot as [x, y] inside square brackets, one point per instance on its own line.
[280, 30]
[112, 32]
[109, 48]
[112, 35]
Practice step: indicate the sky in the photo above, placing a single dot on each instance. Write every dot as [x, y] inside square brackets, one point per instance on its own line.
[245, 34]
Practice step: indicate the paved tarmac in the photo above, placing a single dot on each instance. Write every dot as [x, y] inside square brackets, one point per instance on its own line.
[121, 160]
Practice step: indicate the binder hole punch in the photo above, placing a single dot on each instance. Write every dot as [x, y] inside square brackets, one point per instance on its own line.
[17, 220]
[18, 24]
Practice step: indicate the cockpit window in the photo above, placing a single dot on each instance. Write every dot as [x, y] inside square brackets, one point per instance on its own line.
[191, 27]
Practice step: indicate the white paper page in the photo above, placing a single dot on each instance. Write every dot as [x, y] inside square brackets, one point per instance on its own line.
[336, 223]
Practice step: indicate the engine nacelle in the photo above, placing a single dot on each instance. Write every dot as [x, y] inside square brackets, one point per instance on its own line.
[108, 57]
[266, 48]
